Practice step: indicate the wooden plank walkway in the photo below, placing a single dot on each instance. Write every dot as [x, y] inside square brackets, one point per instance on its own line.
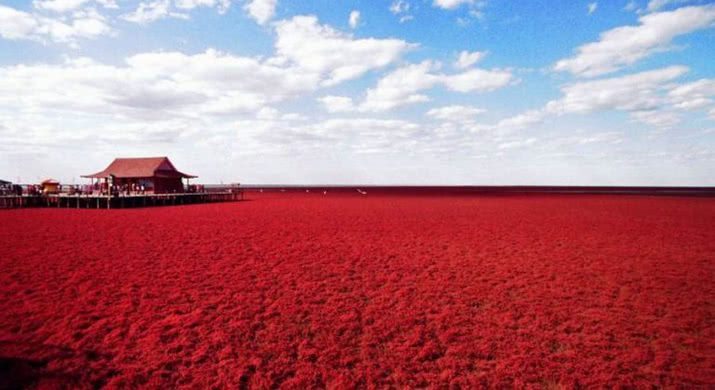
[114, 202]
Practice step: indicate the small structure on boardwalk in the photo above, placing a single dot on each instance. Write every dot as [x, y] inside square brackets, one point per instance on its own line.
[155, 175]
[6, 187]
[126, 182]
[50, 186]
[5, 184]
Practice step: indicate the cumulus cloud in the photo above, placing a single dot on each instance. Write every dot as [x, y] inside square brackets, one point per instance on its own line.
[623, 46]
[62, 6]
[400, 87]
[221, 5]
[451, 4]
[326, 51]
[592, 7]
[655, 5]
[355, 136]
[588, 138]
[405, 85]
[455, 113]
[467, 59]
[151, 11]
[337, 103]
[151, 86]
[261, 10]
[693, 96]
[522, 120]
[649, 97]
[15, 24]
[477, 80]
[354, 18]
[59, 5]
[634, 92]
[401, 8]
[152, 97]
[156, 87]
[657, 118]
[517, 144]
[347, 135]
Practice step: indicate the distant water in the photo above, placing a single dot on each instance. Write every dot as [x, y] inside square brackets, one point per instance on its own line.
[465, 190]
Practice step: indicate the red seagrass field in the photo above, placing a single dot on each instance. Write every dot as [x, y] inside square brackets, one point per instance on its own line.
[306, 290]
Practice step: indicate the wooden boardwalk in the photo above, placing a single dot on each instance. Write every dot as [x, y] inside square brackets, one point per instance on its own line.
[93, 201]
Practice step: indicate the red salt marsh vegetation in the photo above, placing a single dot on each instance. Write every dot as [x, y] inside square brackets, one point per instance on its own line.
[344, 291]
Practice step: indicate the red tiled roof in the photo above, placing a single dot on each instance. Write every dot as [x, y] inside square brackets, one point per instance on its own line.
[140, 167]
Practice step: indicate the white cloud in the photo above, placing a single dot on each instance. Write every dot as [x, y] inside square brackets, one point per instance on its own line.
[108, 3]
[401, 8]
[332, 53]
[337, 103]
[522, 120]
[158, 97]
[370, 126]
[401, 87]
[588, 138]
[634, 92]
[344, 135]
[354, 18]
[406, 84]
[592, 7]
[467, 59]
[643, 95]
[269, 113]
[15, 24]
[152, 86]
[656, 118]
[451, 4]
[261, 10]
[455, 113]
[151, 11]
[222, 5]
[655, 5]
[62, 6]
[693, 96]
[626, 45]
[158, 85]
[59, 5]
[517, 144]
[477, 80]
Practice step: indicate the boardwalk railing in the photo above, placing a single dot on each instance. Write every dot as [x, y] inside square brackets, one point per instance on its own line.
[96, 201]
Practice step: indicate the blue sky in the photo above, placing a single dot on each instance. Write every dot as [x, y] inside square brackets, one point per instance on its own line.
[381, 92]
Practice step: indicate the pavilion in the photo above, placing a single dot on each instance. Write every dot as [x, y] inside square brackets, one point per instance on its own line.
[154, 174]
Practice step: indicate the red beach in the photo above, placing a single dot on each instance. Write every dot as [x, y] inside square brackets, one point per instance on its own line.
[300, 290]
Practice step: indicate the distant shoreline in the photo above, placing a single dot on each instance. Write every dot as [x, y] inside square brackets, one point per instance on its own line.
[465, 190]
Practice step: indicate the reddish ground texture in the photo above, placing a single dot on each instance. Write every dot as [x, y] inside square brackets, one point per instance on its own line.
[344, 291]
